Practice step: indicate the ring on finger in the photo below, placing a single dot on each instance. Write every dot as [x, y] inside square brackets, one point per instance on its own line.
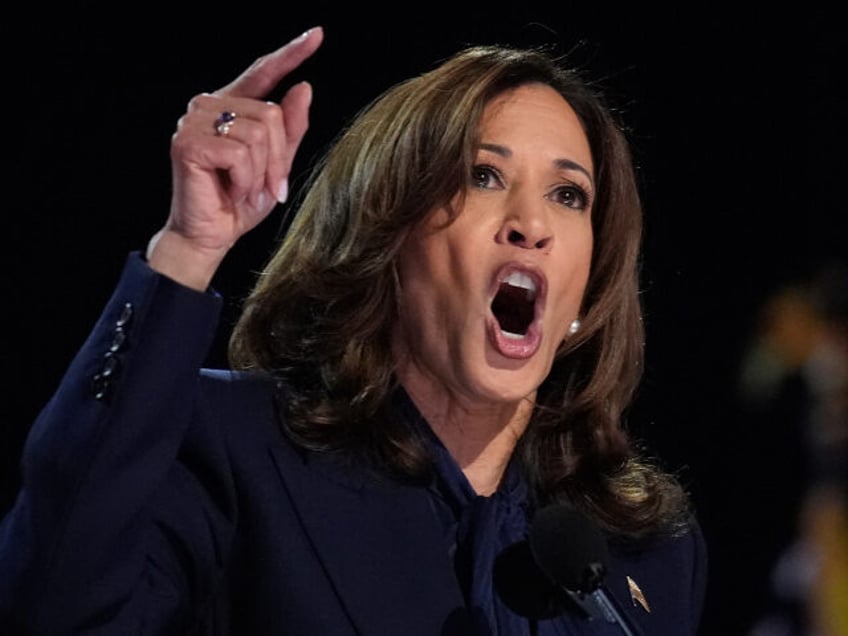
[224, 122]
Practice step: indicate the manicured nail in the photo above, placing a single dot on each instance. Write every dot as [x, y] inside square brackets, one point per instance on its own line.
[283, 191]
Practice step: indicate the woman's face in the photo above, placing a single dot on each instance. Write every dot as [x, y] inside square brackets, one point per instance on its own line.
[486, 300]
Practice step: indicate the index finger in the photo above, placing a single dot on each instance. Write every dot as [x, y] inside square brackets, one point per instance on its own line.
[265, 73]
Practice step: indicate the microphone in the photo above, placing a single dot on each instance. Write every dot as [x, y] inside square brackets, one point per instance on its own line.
[561, 566]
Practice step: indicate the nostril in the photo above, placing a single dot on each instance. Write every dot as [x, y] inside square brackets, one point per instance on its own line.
[515, 237]
[541, 244]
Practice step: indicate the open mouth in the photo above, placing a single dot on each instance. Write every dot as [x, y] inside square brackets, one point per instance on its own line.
[514, 304]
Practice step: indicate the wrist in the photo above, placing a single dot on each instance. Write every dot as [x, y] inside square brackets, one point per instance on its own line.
[178, 258]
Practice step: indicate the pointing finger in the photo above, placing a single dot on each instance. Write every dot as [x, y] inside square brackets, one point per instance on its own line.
[265, 73]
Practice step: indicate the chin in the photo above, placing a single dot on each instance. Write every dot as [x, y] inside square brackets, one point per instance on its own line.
[508, 386]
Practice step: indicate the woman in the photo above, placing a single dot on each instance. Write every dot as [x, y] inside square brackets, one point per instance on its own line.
[442, 346]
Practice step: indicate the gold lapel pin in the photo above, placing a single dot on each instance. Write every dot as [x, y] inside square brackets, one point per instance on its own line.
[637, 596]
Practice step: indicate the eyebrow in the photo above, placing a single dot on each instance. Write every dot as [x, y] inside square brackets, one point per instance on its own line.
[563, 164]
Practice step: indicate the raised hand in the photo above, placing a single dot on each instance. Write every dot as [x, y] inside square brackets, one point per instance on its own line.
[231, 157]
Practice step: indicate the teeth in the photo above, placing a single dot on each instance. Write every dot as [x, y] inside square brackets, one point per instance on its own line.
[517, 279]
[512, 336]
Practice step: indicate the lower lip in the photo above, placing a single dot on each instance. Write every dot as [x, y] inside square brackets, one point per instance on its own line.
[516, 348]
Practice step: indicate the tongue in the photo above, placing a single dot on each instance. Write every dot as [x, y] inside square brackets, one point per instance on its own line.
[512, 310]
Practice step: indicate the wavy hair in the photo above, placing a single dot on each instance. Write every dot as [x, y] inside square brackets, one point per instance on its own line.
[321, 315]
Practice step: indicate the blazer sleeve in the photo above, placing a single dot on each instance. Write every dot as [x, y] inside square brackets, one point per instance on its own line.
[87, 546]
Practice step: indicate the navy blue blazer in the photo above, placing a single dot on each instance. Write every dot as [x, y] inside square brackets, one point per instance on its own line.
[162, 498]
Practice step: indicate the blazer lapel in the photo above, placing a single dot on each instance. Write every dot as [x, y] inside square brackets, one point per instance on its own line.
[381, 546]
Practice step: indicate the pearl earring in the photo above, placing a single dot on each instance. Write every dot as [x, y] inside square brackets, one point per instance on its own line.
[574, 327]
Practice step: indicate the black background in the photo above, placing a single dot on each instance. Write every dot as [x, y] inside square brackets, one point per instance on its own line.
[737, 126]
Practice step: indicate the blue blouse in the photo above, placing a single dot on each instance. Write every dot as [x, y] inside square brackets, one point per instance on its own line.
[476, 529]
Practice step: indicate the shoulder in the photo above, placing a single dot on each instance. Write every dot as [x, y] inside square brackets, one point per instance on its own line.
[686, 546]
[239, 399]
[664, 579]
[237, 383]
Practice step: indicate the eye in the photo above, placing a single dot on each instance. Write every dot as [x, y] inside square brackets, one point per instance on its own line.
[485, 177]
[571, 196]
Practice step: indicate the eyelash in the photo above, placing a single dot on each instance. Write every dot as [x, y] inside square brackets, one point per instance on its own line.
[578, 198]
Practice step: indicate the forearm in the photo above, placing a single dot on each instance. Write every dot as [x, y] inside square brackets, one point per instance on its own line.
[99, 452]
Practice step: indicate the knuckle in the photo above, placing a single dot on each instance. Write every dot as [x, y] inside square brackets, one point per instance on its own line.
[271, 113]
[254, 135]
[241, 154]
[179, 144]
[203, 101]
[195, 103]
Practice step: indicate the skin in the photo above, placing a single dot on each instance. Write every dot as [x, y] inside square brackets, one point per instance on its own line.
[224, 186]
[474, 386]
[528, 207]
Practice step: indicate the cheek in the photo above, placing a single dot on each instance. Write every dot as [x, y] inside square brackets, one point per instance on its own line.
[441, 265]
[422, 283]
[574, 266]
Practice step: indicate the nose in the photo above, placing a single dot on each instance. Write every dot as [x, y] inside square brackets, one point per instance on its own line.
[526, 225]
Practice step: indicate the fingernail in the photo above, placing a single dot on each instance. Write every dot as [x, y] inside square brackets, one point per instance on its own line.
[303, 36]
[308, 93]
[262, 200]
[283, 191]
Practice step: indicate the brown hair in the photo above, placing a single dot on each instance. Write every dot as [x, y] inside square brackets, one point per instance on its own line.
[321, 315]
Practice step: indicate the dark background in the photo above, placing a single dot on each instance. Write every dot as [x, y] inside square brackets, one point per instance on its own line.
[737, 124]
